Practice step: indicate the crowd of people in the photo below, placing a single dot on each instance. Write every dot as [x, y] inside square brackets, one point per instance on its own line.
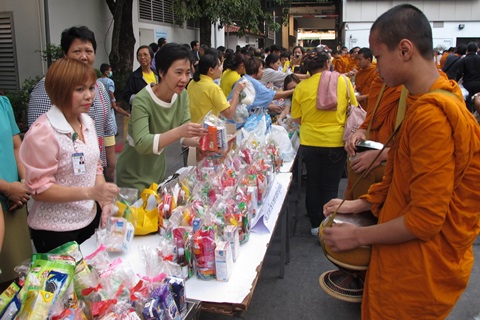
[421, 187]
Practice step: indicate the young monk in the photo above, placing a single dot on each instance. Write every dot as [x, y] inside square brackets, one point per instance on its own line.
[427, 203]
[365, 75]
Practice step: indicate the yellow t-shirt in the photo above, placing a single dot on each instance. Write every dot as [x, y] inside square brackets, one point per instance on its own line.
[320, 128]
[286, 66]
[229, 77]
[204, 96]
[149, 77]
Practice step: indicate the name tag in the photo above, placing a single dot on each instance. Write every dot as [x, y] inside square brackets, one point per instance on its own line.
[78, 160]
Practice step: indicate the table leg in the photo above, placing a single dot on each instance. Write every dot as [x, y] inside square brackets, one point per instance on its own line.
[283, 241]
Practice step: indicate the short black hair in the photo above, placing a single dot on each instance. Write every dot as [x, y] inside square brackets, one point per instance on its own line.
[193, 43]
[472, 47]
[367, 53]
[150, 51]
[271, 58]
[154, 46]
[71, 34]
[252, 65]
[316, 62]
[170, 53]
[104, 67]
[161, 42]
[404, 22]
[461, 49]
[208, 61]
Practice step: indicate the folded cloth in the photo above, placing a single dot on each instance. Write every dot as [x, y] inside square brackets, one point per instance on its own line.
[327, 91]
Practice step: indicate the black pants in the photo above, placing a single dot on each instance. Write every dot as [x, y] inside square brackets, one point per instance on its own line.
[325, 167]
[45, 241]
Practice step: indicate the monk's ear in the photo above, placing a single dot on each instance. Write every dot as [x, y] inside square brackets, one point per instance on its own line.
[406, 48]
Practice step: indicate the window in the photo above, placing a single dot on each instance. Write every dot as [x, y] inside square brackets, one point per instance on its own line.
[156, 10]
[192, 23]
[8, 59]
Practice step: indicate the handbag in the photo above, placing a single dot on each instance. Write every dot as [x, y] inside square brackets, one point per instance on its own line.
[355, 116]
[145, 211]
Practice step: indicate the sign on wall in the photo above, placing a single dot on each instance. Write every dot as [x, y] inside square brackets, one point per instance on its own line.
[160, 34]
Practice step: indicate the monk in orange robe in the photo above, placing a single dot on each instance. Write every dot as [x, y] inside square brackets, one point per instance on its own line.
[445, 54]
[345, 56]
[352, 64]
[365, 75]
[428, 201]
[338, 62]
[381, 121]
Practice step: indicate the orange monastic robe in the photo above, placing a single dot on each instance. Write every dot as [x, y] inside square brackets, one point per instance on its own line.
[352, 64]
[443, 59]
[431, 180]
[382, 127]
[363, 80]
[339, 65]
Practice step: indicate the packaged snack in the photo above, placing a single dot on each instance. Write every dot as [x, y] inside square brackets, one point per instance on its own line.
[119, 234]
[6, 298]
[153, 310]
[8, 295]
[163, 294]
[223, 261]
[180, 236]
[204, 252]
[11, 309]
[48, 280]
[83, 276]
[177, 287]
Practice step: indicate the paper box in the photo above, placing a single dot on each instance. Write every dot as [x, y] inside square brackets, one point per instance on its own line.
[230, 235]
[223, 261]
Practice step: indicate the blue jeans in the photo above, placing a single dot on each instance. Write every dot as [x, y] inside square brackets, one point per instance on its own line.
[324, 171]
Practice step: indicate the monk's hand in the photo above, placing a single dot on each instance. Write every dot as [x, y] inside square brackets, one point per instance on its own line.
[362, 160]
[332, 205]
[350, 144]
[341, 237]
[190, 130]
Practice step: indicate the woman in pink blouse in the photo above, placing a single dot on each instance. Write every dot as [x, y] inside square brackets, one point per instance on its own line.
[62, 161]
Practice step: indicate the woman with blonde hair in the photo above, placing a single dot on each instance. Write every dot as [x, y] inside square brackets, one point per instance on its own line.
[61, 156]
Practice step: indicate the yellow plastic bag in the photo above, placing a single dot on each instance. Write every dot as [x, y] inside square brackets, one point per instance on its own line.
[146, 215]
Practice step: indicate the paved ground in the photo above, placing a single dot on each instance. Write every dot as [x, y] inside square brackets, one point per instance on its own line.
[298, 295]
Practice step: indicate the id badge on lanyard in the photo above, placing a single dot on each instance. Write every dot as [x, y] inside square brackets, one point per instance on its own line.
[78, 160]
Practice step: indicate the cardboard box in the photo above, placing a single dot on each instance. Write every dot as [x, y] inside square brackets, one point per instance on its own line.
[223, 261]
[230, 235]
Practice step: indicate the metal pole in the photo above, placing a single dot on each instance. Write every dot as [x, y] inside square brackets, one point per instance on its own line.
[47, 31]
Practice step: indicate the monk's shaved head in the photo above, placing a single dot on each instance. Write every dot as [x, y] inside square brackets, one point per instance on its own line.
[404, 22]
[367, 53]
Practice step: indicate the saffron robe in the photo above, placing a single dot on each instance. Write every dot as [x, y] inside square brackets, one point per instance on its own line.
[443, 59]
[431, 178]
[339, 65]
[352, 64]
[381, 129]
[363, 80]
